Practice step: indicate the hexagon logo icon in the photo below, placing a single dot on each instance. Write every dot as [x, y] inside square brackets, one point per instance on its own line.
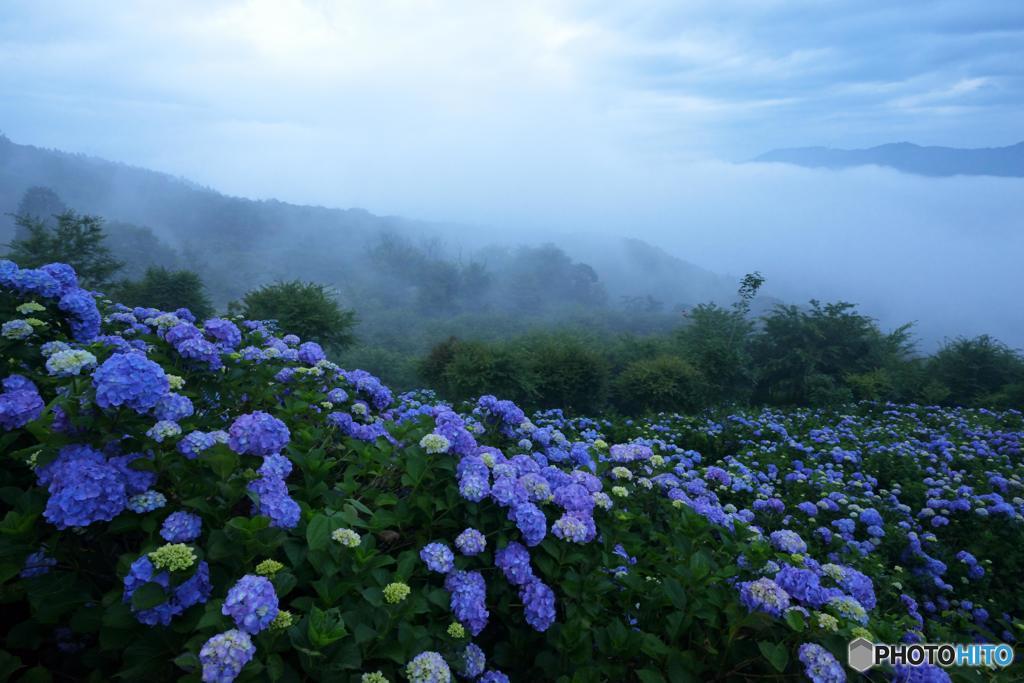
[861, 655]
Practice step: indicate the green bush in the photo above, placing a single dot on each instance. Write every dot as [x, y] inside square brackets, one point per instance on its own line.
[665, 382]
[975, 371]
[167, 290]
[567, 373]
[307, 309]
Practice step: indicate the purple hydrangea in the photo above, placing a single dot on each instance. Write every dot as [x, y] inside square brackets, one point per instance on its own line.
[470, 542]
[493, 676]
[132, 380]
[181, 527]
[193, 591]
[252, 603]
[258, 433]
[275, 466]
[472, 661]
[194, 443]
[37, 564]
[275, 503]
[63, 274]
[225, 655]
[83, 316]
[438, 557]
[576, 527]
[135, 480]
[787, 541]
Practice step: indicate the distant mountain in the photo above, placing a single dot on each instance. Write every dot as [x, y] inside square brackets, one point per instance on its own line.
[236, 244]
[909, 158]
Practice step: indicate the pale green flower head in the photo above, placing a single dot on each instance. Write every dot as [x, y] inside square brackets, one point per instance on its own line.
[346, 537]
[395, 593]
[175, 382]
[375, 677]
[456, 630]
[283, 620]
[269, 567]
[173, 557]
[30, 307]
[620, 491]
[435, 443]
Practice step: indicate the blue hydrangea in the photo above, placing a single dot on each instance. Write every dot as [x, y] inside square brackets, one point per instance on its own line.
[181, 527]
[258, 433]
[275, 502]
[83, 316]
[194, 443]
[20, 403]
[224, 331]
[787, 541]
[64, 275]
[438, 557]
[37, 564]
[472, 661]
[468, 593]
[764, 595]
[310, 353]
[470, 542]
[819, 664]
[493, 676]
[925, 673]
[531, 522]
[514, 562]
[147, 501]
[538, 604]
[576, 527]
[193, 591]
[275, 466]
[173, 407]
[135, 480]
[131, 380]
[225, 655]
[88, 492]
[251, 603]
[35, 281]
[201, 350]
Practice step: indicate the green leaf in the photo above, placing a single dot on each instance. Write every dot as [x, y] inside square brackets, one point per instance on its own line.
[318, 532]
[674, 592]
[795, 620]
[650, 676]
[777, 654]
[148, 595]
[325, 627]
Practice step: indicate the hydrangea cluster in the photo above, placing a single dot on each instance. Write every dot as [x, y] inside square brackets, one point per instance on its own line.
[468, 592]
[428, 667]
[225, 655]
[193, 591]
[258, 433]
[251, 603]
[438, 557]
[20, 403]
[130, 380]
[181, 527]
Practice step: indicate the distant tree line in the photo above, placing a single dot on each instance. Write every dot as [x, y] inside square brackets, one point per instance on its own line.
[536, 327]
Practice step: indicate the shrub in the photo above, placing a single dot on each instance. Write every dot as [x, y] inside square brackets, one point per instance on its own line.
[167, 290]
[307, 309]
[70, 238]
[660, 383]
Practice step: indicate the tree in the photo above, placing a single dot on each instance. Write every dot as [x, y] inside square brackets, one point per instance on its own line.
[167, 290]
[976, 371]
[39, 203]
[307, 309]
[76, 239]
[662, 383]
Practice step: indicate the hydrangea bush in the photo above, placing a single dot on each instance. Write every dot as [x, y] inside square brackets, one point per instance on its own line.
[215, 501]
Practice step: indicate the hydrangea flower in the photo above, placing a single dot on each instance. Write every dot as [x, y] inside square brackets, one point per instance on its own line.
[764, 595]
[438, 557]
[819, 664]
[16, 329]
[173, 557]
[435, 443]
[472, 661]
[787, 541]
[470, 542]
[173, 407]
[70, 362]
[468, 593]
[163, 430]
[131, 380]
[20, 403]
[37, 564]
[346, 537]
[269, 567]
[225, 655]
[538, 604]
[251, 603]
[258, 433]
[514, 562]
[181, 527]
[395, 593]
[531, 522]
[87, 492]
[428, 667]
[147, 501]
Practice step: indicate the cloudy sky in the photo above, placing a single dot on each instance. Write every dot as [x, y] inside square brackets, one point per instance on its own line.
[360, 90]
[574, 116]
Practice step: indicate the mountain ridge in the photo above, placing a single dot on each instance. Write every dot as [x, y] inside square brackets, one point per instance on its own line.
[932, 161]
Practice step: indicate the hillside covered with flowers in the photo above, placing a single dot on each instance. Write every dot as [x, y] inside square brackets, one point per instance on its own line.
[215, 500]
